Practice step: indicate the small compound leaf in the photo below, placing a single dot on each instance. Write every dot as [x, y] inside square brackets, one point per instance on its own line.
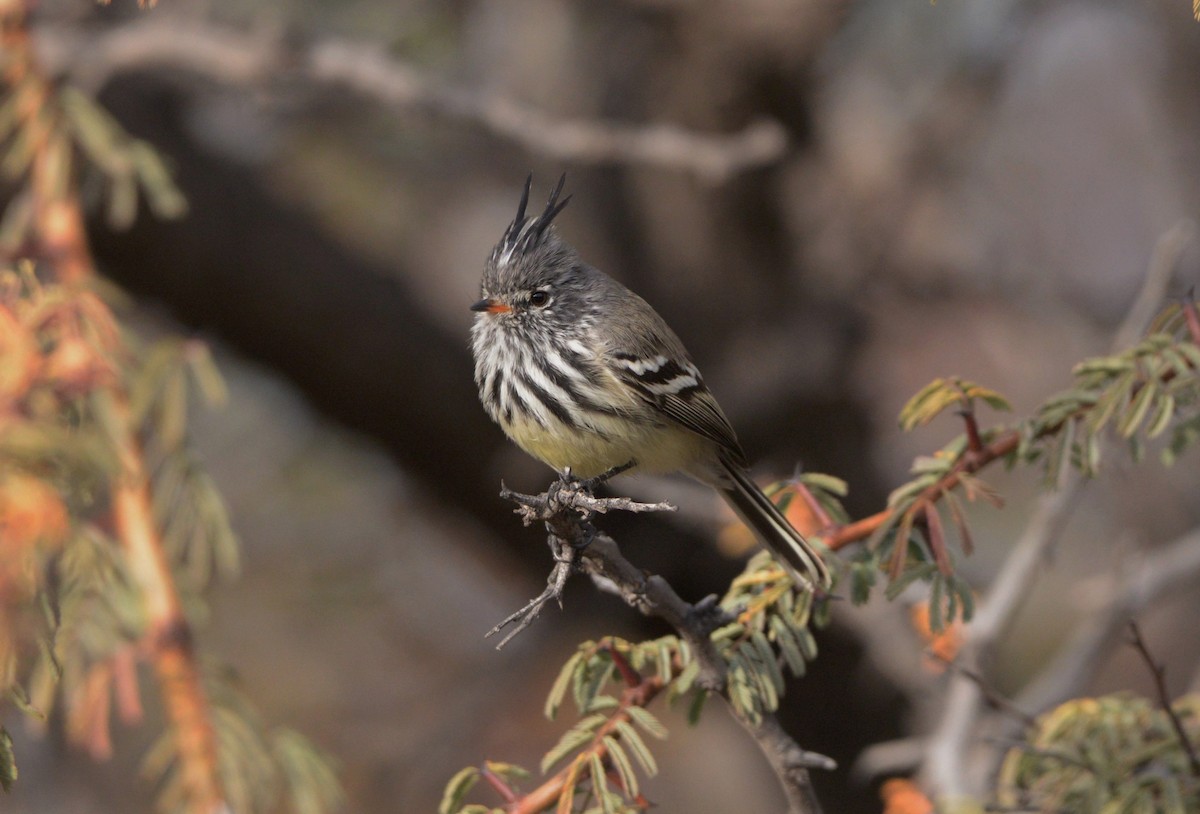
[8, 762]
[457, 790]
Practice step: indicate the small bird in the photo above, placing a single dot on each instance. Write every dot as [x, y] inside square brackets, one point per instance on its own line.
[584, 375]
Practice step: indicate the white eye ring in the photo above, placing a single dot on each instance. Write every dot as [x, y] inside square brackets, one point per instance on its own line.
[539, 298]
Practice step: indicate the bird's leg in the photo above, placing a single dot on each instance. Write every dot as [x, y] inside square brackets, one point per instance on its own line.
[604, 477]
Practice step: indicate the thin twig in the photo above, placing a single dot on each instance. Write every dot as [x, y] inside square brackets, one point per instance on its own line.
[565, 508]
[993, 698]
[1160, 684]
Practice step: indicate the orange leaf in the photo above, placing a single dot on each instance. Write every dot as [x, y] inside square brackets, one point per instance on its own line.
[945, 645]
[901, 796]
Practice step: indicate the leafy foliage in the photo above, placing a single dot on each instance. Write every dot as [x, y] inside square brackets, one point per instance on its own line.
[87, 417]
[1114, 753]
[603, 757]
[71, 615]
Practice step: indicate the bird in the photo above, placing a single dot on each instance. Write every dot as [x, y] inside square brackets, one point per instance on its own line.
[584, 375]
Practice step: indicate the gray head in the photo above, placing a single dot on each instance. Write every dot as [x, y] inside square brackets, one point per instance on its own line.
[532, 274]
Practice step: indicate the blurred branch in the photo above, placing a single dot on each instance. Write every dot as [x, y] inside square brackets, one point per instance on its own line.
[58, 238]
[566, 509]
[235, 57]
[1109, 607]
[946, 768]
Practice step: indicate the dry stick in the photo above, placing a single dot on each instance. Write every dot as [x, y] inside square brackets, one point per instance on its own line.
[60, 240]
[1160, 683]
[236, 57]
[947, 769]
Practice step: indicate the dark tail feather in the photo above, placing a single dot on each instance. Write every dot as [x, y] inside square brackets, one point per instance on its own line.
[791, 550]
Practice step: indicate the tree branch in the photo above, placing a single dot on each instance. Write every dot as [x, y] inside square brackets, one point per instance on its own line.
[566, 509]
[57, 238]
[235, 57]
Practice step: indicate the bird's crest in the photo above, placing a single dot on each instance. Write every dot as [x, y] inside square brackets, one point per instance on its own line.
[525, 234]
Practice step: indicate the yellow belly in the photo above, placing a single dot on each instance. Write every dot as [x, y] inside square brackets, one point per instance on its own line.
[615, 441]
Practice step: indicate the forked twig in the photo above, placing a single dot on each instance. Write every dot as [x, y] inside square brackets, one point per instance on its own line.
[566, 508]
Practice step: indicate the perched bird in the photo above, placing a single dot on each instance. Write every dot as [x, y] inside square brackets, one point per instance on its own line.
[583, 374]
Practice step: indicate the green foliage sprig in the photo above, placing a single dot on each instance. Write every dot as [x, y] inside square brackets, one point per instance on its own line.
[1094, 755]
[610, 683]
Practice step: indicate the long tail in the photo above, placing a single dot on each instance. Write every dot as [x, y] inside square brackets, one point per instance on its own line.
[791, 550]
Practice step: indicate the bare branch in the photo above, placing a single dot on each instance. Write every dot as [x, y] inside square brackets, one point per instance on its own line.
[233, 57]
[1160, 684]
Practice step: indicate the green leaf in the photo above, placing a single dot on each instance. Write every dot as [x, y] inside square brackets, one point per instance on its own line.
[1111, 399]
[696, 707]
[572, 739]
[8, 761]
[1092, 449]
[1163, 413]
[16, 693]
[767, 658]
[919, 571]
[685, 679]
[1133, 417]
[1106, 365]
[923, 406]
[207, 375]
[165, 199]
[633, 741]
[593, 675]
[968, 599]
[122, 201]
[788, 646]
[1184, 435]
[558, 690]
[311, 782]
[646, 720]
[622, 764]
[600, 783]
[825, 483]
[862, 580]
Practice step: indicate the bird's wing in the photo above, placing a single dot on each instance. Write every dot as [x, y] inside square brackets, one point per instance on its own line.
[662, 374]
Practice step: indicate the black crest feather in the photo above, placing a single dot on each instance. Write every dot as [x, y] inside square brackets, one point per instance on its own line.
[525, 234]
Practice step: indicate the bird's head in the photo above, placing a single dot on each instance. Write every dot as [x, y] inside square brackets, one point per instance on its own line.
[532, 274]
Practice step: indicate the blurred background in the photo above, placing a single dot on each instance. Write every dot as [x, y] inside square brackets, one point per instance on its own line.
[831, 202]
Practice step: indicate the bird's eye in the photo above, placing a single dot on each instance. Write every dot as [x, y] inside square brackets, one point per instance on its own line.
[539, 298]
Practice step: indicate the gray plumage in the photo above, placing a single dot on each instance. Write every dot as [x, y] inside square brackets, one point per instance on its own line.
[581, 372]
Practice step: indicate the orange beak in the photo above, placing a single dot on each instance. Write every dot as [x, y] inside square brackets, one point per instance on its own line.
[491, 307]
